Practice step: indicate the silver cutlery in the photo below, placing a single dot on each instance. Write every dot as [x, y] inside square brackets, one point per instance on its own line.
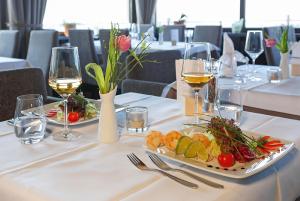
[164, 166]
[140, 165]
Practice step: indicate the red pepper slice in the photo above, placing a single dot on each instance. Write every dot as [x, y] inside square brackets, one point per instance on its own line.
[266, 137]
[274, 142]
[264, 151]
[51, 113]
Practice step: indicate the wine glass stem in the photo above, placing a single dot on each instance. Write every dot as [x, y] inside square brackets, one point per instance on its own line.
[196, 110]
[253, 61]
[66, 126]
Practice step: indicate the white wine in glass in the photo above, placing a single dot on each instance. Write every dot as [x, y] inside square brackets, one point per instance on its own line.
[65, 78]
[196, 70]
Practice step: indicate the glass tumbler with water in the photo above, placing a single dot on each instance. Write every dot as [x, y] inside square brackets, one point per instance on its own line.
[229, 103]
[30, 120]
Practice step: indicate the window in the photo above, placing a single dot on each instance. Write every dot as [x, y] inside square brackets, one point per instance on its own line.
[199, 12]
[93, 14]
[271, 13]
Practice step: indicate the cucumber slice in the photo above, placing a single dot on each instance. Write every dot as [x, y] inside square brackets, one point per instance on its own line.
[182, 144]
[196, 149]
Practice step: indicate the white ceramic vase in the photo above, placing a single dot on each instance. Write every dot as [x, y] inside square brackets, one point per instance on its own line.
[107, 127]
[284, 65]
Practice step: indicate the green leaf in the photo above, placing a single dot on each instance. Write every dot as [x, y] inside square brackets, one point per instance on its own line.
[99, 77]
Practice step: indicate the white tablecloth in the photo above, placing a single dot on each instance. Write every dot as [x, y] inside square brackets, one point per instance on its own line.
[86, 170]
[280, 97]
[12, 63]
[155, 46]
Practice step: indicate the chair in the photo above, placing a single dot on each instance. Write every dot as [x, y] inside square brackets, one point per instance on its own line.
[153, 76]
[9, 43]
[84, 40]
[104, 35]
[211, 34]
[141, 86]
[162, 70]
[272, 53]
[39, 51]
[19, 82]
[167, 32]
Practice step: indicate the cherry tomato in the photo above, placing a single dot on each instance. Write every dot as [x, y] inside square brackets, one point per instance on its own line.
[226, 159]
[73, 116]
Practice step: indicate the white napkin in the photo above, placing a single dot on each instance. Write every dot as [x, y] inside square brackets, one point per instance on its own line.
[228, 60]
[150, 32]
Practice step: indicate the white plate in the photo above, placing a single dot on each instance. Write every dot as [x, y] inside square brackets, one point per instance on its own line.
[81, 120]
[238, 171]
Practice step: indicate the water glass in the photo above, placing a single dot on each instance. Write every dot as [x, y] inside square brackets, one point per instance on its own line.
[229, 103]
[137, 119]
[30, 120]
[274, 74]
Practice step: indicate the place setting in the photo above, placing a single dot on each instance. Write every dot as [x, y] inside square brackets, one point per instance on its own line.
[144, 100]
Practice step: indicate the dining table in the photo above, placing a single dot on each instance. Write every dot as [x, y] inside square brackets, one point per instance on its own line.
[7, 63]
[259, 92]
[85, 169]
[164, 46]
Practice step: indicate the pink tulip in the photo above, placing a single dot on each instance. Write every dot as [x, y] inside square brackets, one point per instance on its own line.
[270, 42]
[123, 43]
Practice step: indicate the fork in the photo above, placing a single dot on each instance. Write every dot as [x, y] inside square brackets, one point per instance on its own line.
[142, 166]
[164, 166]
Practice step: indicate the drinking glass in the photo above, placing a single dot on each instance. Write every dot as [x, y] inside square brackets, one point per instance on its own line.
[65, 78]
[254, 44]
[197, 70]
[29, 119]
[229, 102]
[136, 119]
[254, 47]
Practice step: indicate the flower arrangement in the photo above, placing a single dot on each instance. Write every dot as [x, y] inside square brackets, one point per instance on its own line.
[282, 44]
[115, 70]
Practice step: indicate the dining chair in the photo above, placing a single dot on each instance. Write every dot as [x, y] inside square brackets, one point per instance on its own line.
[272, 53]
[9, 43]
[39, 51]
[159, 67]
[84, 40]
[19, 82]
[211, 34]
[141, 86]
[168, 29]
[154, 75]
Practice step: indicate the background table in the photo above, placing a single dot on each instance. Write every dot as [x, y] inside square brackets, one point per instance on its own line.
[155, 46]
[271, 98]
[86, 170]
[12, 63]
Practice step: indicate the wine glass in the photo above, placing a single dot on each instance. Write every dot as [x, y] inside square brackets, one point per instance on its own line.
[197, 70]
[65, 78]
[254, 45]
